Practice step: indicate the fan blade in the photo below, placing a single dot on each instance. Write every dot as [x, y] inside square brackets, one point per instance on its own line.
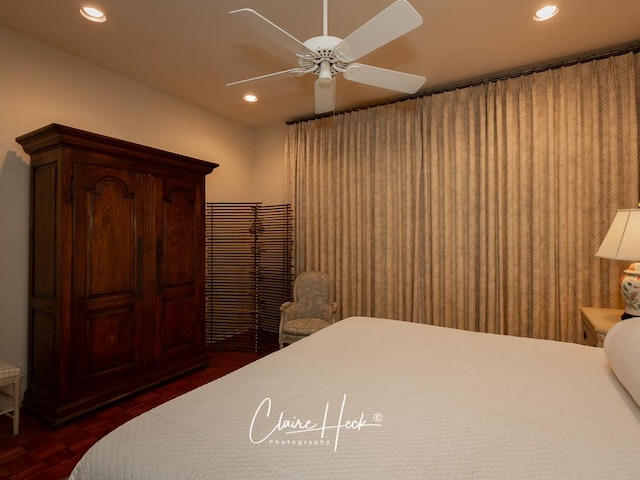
[383, 78]
[291, 71]
[325, 93]
[265, 27]
[393, 22]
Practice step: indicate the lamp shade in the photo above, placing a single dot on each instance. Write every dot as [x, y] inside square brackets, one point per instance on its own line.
[622, 241]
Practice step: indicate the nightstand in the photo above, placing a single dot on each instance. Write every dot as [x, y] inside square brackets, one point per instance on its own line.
[596, 322]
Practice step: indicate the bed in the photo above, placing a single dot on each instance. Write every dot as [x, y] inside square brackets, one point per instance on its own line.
[371, 398]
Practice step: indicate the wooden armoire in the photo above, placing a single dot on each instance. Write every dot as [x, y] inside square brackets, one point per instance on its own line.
[117, 269]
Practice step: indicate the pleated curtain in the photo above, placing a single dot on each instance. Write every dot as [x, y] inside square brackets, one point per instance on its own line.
[479, 208]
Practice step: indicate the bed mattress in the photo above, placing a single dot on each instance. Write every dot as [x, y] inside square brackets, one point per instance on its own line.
[373, 398]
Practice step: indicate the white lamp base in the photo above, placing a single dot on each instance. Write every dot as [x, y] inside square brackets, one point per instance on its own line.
[630, 291]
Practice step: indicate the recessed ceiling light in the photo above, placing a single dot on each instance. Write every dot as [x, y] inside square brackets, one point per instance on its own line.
[250, 97]
[93, 14]
[545, 13]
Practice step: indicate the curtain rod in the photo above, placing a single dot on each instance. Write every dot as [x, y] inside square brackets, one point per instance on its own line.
[621, 49]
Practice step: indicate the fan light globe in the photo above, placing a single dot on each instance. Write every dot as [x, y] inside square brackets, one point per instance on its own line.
[324, 76]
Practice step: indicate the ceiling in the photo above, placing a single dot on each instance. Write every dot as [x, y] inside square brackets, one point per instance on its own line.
[191, 48]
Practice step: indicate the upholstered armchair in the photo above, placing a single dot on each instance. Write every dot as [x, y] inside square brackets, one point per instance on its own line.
[311, 309]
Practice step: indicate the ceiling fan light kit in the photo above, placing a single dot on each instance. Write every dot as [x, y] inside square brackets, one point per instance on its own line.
[327, 56]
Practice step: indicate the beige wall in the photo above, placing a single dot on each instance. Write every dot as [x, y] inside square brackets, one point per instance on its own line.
[40, 85]
[268, 168]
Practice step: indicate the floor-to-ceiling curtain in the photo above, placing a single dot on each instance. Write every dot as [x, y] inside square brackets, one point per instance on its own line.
[479, 208]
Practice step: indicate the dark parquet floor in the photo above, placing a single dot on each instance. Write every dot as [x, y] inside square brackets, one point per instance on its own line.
[42, 453]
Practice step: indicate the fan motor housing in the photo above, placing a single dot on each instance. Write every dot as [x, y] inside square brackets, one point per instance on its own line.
[324, 48]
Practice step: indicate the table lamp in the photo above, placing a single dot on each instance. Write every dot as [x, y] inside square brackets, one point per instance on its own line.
[622, 242]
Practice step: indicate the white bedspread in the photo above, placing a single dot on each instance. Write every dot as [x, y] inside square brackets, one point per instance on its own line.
[371, 398]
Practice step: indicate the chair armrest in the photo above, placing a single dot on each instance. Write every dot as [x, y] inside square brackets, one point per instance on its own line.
[285, 305]
[289, 311]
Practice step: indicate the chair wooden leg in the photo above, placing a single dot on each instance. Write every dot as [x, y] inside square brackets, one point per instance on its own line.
[16, 406]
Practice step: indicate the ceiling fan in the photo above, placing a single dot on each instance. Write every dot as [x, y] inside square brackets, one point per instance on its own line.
[326, 56]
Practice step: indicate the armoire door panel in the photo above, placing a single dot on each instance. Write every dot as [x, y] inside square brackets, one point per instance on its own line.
[180, 270]
[108, 313]
[178, 223]
[112, 235]
[110, 343]
[177, 331]
[108, 227]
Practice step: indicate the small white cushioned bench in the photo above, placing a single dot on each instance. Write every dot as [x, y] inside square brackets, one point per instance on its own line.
[10, 404]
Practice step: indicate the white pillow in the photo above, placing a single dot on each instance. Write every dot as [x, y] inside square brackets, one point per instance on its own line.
[622, 348]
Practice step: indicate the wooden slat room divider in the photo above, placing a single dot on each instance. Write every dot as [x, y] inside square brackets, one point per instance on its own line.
[249, 273]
